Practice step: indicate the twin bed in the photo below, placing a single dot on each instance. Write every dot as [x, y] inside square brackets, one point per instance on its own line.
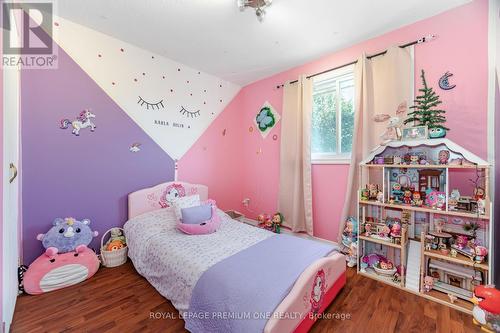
[238, 279]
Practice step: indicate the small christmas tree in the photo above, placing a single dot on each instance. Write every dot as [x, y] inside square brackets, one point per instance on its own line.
[425, 112]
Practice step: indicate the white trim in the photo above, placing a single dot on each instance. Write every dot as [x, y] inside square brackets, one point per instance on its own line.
[330, 158]
[427, 142]
[345, 161]
[493, 67]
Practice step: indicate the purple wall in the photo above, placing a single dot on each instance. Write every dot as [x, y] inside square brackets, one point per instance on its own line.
[87, 176]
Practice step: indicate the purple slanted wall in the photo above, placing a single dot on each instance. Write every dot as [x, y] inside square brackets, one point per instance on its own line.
[86, 176]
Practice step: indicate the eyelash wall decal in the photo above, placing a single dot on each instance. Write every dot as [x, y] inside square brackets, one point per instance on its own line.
[149, 105]
[189, 114]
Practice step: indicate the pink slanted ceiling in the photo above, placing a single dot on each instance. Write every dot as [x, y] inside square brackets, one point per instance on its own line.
[244, 165]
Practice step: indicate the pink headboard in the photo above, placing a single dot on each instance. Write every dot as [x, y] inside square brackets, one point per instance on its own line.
[160, 196]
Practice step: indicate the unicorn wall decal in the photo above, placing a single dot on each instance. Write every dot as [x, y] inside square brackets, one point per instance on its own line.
[82, 121]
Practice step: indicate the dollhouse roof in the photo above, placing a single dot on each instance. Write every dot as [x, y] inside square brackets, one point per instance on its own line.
[452, 146]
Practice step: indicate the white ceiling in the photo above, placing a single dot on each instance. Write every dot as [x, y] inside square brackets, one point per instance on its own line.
[214, 36]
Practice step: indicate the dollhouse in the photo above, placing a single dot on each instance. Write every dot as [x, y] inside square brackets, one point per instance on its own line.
[435, 195]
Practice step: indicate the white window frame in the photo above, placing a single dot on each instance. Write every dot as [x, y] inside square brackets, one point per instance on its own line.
[329, 158]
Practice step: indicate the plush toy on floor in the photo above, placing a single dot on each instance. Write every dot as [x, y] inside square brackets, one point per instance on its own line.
[67, 259]
[67, 235]
[486, 311]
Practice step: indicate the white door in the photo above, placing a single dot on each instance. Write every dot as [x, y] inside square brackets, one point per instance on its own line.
[10, 250]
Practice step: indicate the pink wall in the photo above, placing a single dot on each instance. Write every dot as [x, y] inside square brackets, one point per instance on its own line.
[215, 158]
[461, 48]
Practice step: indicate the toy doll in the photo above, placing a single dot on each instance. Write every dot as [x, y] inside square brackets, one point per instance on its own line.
[352, 256]
[428, 283]
[380, 197]
[414, 159]
[397, 160]
[396, 192]
[368, 229]
[396, 229]
[277, 222]
[417, 199]
[478, 193]
[443, 156]
[461, 241]
[481, 207]
[480, 253]
[373, 191]
[365, 194]
[407, 197]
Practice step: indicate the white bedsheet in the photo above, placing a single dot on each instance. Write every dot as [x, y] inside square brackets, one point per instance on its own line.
[173, 261]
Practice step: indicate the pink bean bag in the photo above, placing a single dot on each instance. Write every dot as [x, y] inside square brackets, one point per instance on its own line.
[55, 271]
[205, 227]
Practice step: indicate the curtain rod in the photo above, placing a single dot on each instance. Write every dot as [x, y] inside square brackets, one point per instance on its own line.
[418, 41]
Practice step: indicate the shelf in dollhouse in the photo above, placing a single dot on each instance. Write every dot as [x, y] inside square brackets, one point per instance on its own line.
[380, 241]
[424, 209]
[443, 298]
[459, 259]
[370, 272]
[426, 166]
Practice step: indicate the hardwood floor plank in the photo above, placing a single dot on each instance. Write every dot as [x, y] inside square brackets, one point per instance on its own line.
[120, 300]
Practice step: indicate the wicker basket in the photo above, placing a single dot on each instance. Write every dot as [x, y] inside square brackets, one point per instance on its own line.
[113, 258]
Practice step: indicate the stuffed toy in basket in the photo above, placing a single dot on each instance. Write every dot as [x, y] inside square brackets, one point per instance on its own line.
[114, 252]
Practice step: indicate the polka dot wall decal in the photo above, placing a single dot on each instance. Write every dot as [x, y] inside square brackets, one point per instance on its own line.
[220, 85]
[172, 90]
[152, 57]
[224, 132]
[163, 77]
[112, 83]
[56, 24]
[99, 55]
[144, 74]
[122, 50]
[220, 100]
[275, 137]
[250, 129]
[191, 94]
[187, 81]
[204, 102]
[205, 90]
[178, 69]
[135, 80]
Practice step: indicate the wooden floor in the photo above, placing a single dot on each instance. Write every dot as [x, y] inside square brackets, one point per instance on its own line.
[120, 300]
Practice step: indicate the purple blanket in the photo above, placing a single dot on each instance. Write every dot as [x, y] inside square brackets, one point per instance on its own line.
[240, 293]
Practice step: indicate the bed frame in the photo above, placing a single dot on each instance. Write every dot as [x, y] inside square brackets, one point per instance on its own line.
[311, 294]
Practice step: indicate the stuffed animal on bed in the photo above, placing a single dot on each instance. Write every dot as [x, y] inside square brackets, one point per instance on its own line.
[67, 235]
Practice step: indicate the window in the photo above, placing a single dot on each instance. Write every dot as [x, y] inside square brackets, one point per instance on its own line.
[333, 116]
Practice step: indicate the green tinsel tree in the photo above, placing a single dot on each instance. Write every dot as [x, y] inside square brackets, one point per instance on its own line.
[424, 111]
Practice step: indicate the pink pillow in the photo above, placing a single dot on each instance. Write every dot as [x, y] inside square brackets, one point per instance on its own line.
[206, 227]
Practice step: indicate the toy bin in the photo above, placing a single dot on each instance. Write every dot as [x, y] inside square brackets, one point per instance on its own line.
[113, 258]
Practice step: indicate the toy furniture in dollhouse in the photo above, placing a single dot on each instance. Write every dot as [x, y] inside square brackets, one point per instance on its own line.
[444, 236]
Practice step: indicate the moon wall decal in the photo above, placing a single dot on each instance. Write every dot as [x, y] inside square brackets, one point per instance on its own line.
[444, 82]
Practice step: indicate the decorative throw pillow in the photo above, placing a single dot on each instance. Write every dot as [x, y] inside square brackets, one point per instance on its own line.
[205, 227]
[185, 202]
[196, 214]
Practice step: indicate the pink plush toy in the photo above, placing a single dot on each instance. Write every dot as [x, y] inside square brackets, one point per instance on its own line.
[205, 227]
[52, 272]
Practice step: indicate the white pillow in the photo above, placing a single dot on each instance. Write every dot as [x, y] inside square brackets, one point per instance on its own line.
[185, 202]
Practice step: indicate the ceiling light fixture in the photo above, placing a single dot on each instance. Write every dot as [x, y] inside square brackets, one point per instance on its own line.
[259, 6]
